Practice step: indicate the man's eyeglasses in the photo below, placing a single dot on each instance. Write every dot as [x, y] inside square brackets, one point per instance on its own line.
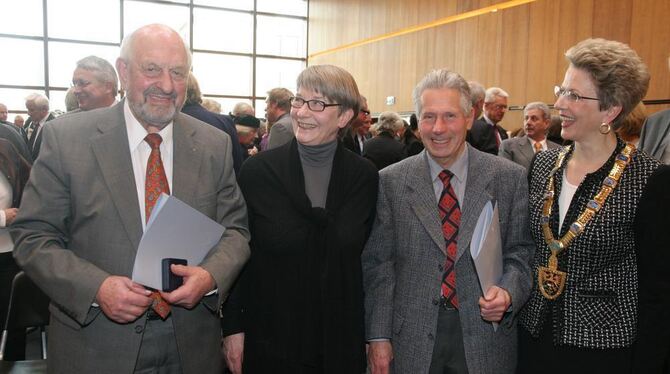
[313, 105]
[80, 83]
[570, 95]
[497, 107]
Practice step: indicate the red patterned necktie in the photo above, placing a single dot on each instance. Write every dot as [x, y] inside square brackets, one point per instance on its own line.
[155, 184]
[496, 135]
[450, 213]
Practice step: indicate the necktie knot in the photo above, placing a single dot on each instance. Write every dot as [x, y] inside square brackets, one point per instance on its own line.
[538, 147]
[445, 176]
[154, 140]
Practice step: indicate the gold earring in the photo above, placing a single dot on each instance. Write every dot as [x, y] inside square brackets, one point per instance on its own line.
[605, 128]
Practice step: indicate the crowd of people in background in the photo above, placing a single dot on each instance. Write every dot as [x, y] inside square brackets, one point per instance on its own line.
[348, 234]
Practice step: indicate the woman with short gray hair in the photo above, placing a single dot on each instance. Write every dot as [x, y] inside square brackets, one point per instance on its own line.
[384, 150]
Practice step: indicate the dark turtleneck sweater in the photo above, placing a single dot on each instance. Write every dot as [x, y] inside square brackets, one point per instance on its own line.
[317, 164]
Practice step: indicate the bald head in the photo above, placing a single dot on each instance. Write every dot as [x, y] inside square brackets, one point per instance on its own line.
[153, 69]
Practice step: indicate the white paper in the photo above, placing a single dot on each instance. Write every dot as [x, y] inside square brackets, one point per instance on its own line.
[486, 249]
[174, 230]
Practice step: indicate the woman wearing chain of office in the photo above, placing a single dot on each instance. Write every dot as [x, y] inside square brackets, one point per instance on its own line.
[582, 313]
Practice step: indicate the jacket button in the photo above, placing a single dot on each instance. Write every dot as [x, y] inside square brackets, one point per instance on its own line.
[139, 329]
[435, 301]
[430, 336]
[440, 267]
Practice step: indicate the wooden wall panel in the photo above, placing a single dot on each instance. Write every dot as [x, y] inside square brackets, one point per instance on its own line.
[519, 49]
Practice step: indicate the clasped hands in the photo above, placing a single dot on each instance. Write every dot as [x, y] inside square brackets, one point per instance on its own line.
[123, 300]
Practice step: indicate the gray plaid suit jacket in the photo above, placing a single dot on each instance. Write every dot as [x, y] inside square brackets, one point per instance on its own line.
[404, 254]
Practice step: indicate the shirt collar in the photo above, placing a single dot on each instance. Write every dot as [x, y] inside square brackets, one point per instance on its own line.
[459, 168]
[488, 120]
[137, 132]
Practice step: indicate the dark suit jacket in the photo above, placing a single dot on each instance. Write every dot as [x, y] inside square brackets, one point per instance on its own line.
[349, 143]
[79, 223]
[652, 349]
[481, 137]
[221, 122]
[520, 150]
[11, 133]
[38, 142]
[301, 291]
[383, 150]
[15, 168]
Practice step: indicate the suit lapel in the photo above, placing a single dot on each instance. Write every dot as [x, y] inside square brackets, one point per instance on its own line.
[110, 148]
[476, 196]
[525, 148]
[186, 161]
[421, 198]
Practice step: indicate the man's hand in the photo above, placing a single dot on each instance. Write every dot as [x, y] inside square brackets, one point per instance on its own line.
[494, 304]
[233, 352]
[380, 355]
[122, 300]
[10, 215]
[197, 282]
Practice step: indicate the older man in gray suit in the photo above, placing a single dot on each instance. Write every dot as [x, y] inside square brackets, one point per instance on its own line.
[536, 121]
[425, 311]
[277, 110]
[84, 213]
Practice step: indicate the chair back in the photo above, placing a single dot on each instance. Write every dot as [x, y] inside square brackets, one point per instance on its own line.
[28, 307]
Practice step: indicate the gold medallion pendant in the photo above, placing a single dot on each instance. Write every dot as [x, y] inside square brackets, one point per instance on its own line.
[551, 281]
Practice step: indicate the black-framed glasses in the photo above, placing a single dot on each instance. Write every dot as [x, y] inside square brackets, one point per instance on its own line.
[571, 95]
[313, 105]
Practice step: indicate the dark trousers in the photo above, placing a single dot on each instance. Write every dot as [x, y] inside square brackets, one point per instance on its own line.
[15, 349]
[448, 353]
[158, 352]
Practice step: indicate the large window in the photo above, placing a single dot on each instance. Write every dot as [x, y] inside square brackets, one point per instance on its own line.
[241, 48]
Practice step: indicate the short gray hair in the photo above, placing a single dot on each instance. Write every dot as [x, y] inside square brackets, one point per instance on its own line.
[103, 70]
[443, 79]
[477, 91]
[333, 83]
[618, 73]
[493, 92]
[243, 108]
[40, 101]
[389, 121]
[538, 105]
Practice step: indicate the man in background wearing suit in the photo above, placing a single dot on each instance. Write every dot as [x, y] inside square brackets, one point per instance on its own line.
[536, 121]
[38, 110]
[85, 209]
[358, 130]
[277, 110]
[94, 83]
[486, 134]
[425, 312]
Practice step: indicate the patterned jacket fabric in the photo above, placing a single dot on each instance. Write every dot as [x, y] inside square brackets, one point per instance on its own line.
[598, 308]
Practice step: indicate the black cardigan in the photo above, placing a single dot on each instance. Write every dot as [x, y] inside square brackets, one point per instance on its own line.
[301, 292]
[652, 237]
